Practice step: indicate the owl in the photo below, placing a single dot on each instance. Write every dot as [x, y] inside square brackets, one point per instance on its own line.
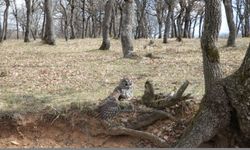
[125, 89]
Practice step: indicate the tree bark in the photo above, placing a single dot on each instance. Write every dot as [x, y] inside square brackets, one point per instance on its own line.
[230, 22]
[49, 37]
[28, 18]
[106, 25]
[127, 29]
[211, 57]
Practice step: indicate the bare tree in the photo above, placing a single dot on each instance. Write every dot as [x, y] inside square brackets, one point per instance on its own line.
[106, 25]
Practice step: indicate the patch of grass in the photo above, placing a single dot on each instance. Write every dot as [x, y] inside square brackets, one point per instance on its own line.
[75, 71]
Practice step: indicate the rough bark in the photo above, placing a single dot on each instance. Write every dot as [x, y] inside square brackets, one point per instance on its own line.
[211, 57]
[230, 22]
[49, 37]
[106, 25]
[28, 18]
[127, 29]
[224, 113]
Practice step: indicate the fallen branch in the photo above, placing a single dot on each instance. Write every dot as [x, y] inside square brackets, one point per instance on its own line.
[161, 102]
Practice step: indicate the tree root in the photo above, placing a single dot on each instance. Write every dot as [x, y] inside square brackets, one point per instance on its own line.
[213, 116]
[148, 119]
[116, 131]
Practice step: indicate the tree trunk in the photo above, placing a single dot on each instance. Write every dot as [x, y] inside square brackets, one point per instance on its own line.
[174, 30]
[127, 29]
[223, 117]
[5, 20]
[194, 26]
[168, 19]
[72, 5]
[28, 18]
[201, 25]
[247, 23]
[187, 23]
[230, 22]
[215, 114]
[49, 37]
[180, 22]
[15, 13]
[65, 17]
[106, 25]
[211, 58]
[83, 18]
[43, 26]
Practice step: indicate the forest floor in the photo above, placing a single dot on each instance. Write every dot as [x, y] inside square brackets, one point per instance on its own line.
[38, 77]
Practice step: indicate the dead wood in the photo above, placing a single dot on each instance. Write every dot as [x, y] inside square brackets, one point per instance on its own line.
[150, 99]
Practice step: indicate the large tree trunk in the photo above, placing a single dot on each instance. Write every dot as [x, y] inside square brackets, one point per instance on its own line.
[127, 29]
[49, 37]
[106, 25]
[211, 57]
[230, 22]
[28, 18]
[223, 119]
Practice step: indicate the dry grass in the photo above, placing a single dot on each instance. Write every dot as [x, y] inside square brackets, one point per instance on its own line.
[75, 71]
